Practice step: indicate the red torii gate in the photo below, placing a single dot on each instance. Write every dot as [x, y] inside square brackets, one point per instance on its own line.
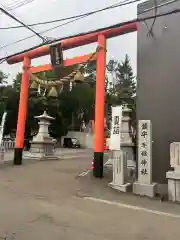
[100, 57]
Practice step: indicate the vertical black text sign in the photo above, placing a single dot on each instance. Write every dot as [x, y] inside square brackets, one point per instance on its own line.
[56, 55]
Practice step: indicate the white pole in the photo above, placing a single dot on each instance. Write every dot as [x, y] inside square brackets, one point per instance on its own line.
[2, 126]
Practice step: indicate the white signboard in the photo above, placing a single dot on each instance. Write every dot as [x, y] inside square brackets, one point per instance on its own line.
[144, 152]
[2, 126]
[115, 128]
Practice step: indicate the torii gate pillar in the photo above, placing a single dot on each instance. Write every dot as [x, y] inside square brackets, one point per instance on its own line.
[99, 109]
[23, 103]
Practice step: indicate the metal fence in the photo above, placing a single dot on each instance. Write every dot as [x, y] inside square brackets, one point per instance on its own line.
[8, 145]
[5, 146]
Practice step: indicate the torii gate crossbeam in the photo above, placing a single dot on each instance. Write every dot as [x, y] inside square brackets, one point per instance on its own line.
[100, 37]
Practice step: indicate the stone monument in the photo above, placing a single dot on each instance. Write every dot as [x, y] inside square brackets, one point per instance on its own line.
[127, 144]
[174, 175]
[125, 140]
[119, 159]
[144, 186]
[120, 174]
[42, 145]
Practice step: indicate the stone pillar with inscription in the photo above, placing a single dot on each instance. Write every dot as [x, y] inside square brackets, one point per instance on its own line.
[174, 175]
[119, 158]
[120, 173]
[126, 142]
[144, 186]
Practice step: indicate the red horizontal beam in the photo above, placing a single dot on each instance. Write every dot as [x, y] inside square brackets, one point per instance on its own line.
[42, 68]
[75, 42]
[67, 62]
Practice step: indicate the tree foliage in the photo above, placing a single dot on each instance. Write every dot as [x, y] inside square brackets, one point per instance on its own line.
[123, 80]
[3, 77]
[122, 89]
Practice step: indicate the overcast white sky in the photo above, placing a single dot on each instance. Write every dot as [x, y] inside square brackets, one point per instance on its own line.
[41, 10]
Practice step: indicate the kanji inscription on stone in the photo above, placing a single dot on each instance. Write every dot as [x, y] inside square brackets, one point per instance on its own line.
[144, 151]
[115, 137]
[116, 128]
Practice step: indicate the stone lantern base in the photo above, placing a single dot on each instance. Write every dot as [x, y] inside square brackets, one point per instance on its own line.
[42, 145]
[41, 151]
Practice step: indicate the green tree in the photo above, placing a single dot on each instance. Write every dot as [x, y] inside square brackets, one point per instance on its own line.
[37, 103]
[124, 85]
[9, 103]
[3, 80]
[17, 82]
[7, 98]
[123, 90]
[90, 71]
[3, 77]
[47, 75]
[77, 104]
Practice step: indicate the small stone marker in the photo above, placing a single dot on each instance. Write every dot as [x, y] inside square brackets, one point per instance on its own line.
[174, 176]
[2, 153]
[175, 155]
[120, 172]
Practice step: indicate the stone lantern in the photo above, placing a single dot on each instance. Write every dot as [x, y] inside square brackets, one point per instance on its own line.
[127, 144]
[42, 145]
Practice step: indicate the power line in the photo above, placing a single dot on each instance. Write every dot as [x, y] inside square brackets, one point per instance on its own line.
[19, 4]
[19, 21]
[26, 38]
[97, 30]
[78, 17]
[16, 5]
[81, 16]
[3, 60]
[124, 3]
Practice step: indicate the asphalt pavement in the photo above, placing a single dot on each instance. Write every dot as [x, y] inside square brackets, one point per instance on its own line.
[48, 200]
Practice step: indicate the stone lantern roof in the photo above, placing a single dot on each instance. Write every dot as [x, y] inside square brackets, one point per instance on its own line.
[44, 116]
